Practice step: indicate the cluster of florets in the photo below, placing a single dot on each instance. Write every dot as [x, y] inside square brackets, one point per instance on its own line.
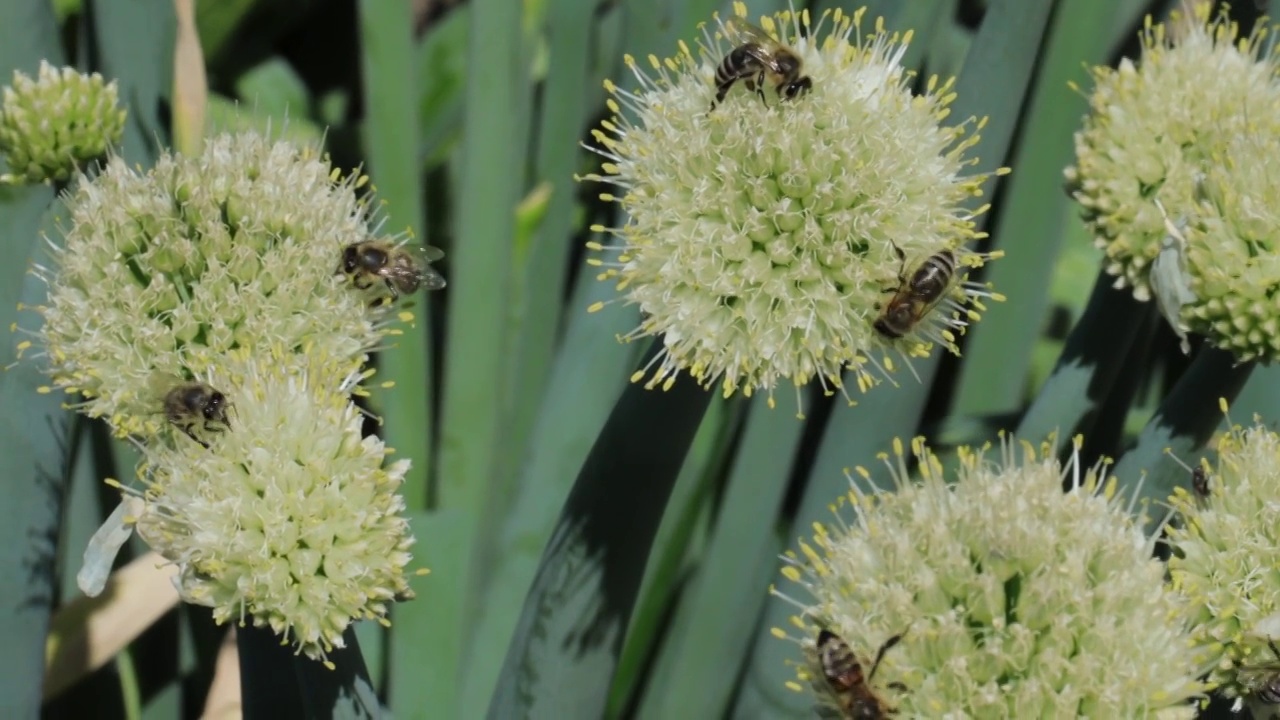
[219, 311]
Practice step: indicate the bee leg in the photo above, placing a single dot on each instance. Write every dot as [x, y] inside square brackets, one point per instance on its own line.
[758, 86]
[395, 294]
[358, 286]
[722, 89]
[897, 686]
[902, 268]
[187, 429]
[880, 654]
[1274, 649]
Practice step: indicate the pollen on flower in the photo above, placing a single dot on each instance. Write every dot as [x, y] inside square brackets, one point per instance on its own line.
[291, 517]
[160, 273]
[1225, 536]
[1174, 177]
[1012, 598]
[766, 236]
[52, 124]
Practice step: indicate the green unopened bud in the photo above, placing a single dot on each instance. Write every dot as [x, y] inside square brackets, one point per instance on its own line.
[54, 123]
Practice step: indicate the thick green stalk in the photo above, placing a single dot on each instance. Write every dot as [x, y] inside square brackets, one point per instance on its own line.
[391, 142]
[490, 184]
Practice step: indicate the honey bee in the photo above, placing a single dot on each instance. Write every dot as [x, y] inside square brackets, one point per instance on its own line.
[757, 58]
[1200, 481]
[404, 268]
[843, 672]
[195, 403]
[916, 296]
[1269, 691]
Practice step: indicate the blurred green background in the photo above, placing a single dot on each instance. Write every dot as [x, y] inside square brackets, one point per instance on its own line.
[511, 399]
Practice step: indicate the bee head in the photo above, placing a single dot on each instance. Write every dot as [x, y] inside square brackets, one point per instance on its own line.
[215, 407]
[895, 320]
[798, 87]
[351, 258]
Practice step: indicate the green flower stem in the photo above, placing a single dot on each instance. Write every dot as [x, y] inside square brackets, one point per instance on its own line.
[476, 383]
[277, 683]
[1187, 418]
[680, 537]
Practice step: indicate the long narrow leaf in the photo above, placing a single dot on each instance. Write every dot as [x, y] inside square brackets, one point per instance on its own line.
[1092, 358]
[589, 375]
[570, 633]
[133, 43]
[31, 424]
[692, 675]
[1031, 230]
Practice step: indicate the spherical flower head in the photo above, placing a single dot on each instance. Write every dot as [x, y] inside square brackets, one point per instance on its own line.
[162, 273]
[1225, 552]
[1230, 238]
[765, 236]
[55, 122]
[1013, 599]
[290, 516]
[1156, 129]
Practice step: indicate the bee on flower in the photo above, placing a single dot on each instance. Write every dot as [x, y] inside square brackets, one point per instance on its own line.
[784, 190]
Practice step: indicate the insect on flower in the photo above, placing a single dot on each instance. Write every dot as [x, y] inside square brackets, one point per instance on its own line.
[1200, 481]
[404, 268]
[195, 403]
[915, 296]
[843, 673]
[756, 59]
[1268, 689]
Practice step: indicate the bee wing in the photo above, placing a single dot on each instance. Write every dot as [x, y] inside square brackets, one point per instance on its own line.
[423, 256]
[741, 31]
[431, 253]
[432, 280]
